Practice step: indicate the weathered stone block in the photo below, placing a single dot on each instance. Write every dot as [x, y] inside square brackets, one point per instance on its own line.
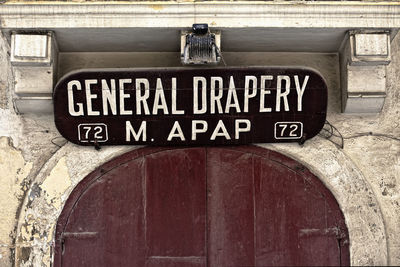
[363, 61]
[31, 49]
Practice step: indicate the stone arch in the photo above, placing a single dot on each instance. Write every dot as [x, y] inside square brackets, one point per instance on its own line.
[71, 164]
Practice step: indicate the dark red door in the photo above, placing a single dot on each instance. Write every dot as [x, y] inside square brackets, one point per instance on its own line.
[241, 206]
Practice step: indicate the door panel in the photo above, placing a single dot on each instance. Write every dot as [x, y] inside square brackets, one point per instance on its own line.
[223, 206]
[291, 219]
[105, 219]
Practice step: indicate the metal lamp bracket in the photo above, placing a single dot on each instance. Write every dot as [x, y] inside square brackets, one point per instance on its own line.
[200, 46]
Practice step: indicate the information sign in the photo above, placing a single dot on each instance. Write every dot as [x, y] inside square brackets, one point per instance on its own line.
[190, 106]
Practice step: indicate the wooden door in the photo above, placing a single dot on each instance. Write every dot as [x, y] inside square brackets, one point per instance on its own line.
[226, 206]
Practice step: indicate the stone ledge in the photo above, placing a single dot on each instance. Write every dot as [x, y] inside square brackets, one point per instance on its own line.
[296, 14]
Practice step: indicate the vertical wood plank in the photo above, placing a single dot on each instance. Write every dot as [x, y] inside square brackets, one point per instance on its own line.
[230, 208]
[124, 217]
[176, 208]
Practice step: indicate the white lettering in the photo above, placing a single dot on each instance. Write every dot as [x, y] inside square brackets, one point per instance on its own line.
[220, 126]
[174, 99]
[159, 96]
[216, 99]
[283, 95]
[142, 99]
[123, 96]
[248, 95]
[130, 131]
[239, 130]
[109, 97]
[176, 131]
[89, 98]
[196, 81]
[71, 108]
[263, 92]
[232, 95]
[196, 130]
[300, 91]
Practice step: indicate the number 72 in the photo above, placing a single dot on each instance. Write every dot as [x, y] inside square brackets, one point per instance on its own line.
[288, 130]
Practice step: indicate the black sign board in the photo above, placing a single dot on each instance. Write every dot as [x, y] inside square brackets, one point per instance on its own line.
[190, 106]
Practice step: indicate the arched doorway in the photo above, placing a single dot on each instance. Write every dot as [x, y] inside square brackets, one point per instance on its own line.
[224, 206]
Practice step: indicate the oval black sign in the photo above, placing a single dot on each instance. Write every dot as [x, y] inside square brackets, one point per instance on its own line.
[190, 106]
